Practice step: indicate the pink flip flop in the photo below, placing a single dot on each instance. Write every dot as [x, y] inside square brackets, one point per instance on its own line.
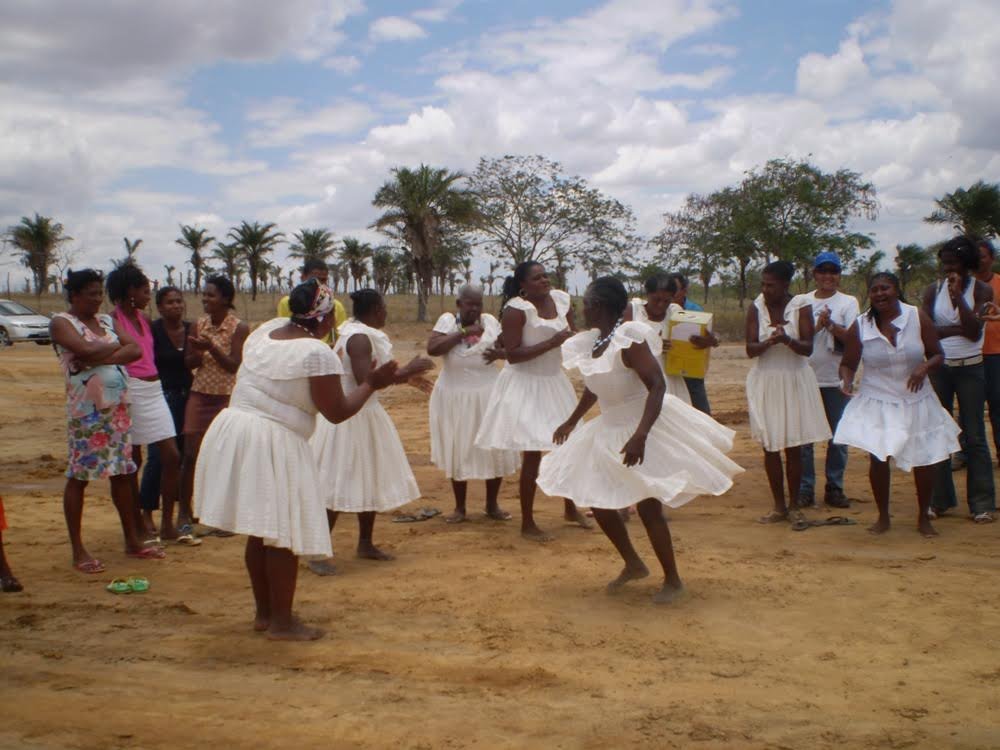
[89, 567]
[147, 553]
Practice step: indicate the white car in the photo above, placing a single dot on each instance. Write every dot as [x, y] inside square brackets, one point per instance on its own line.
[20, 323]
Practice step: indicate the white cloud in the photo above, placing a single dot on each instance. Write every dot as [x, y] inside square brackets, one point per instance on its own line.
[395, 28]
[281, 122]
[344, 64]
[438, 13]
[725, 51]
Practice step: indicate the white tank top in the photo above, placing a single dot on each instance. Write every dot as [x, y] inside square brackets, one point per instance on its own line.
[946, 314]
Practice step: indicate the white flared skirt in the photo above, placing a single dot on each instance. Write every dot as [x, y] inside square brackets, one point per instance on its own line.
[918, 433]
[255, 476]
[786, 408]
[456, 415]
[361, 463]
[151, 418]
[685, 457]
[524, 410]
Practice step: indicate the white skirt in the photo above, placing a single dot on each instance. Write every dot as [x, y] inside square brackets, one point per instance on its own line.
[677, 387]
[685, 457]
[524, 410]
[786, 408]
[151, 418]
[361, 463]
[256, 477]
[456, 414]
[918, 433]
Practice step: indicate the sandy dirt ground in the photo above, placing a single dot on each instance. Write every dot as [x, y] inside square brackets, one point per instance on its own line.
[472, 638]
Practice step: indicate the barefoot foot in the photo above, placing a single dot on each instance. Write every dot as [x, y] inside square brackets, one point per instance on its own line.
[261, 623]
[535, 534]
[925, 528]
[497, 514]
[627, 574]
[296, 631]
[369, 551]
[457, 517]
[322, 567]
[879, 527]
[668, 594]
[575, 516]
[775, 516]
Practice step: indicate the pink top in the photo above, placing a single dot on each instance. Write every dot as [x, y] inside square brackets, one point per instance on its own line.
[145, 366]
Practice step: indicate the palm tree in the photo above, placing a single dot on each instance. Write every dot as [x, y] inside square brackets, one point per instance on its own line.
[255, 241]
[36, 241]
[489, 279]
[195, 239]
[866, 268]
[229, 256]
[170, 274]
[910, 261]
[355, 254]
[974, 212]
[448, 257]
[312, 244]
[419, 204]
[383, 268]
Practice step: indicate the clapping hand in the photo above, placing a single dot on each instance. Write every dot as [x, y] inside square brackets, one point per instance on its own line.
[199, 344]
[990, 312]
[493, 353]
[384, 376]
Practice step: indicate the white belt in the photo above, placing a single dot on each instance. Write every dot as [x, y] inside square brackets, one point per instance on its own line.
[977, 360]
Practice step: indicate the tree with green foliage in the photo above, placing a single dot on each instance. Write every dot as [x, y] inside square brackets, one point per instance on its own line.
[312, 244]
[419, 206]
[355, 254]
[195, 240]
[530, 210]
[36, 242]
[255, 242]
[690, 239]
[229, 256]
[865, 267]
[451, 252]
[974, 212]
[383, 268]
[913, 263]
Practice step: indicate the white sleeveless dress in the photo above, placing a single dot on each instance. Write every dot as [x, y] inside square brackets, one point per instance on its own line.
[675, 383]
[782, 392]
[685, 449]
[530, 399]
[885, 418]
[255, 473]
[361, 463]
[458, 403]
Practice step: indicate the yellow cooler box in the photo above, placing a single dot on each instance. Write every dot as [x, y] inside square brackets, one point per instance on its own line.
[683, 358]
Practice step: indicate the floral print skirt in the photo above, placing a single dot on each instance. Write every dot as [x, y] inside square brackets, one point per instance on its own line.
[100, 446]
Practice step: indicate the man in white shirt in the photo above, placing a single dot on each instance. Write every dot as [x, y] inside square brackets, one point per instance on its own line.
[833, 313]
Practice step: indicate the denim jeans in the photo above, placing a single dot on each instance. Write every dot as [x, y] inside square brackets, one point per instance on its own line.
[699, 397]
[991, 365]
[968, 384]
[834, 403]
[149, 487]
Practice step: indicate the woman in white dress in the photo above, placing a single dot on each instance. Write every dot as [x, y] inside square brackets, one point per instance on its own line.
[655, 311]
[467, 339]
[362, 464]
[255, 473]
[532, 396]
[895, 412]
[786, 411]
[672, 452]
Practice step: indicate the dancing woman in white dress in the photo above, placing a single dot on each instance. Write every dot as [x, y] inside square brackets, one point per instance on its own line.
[655, 311]
[532, 396]
[361, 463]
[895, 412]
[786, 411]
[255, 473]
[646, 447]
[467, 339]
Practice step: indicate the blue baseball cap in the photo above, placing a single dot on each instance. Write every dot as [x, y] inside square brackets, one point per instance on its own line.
[827, 258]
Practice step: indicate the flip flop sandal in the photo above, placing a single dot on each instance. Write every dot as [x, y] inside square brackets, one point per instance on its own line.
[137, 584]
[187, 540]
[837, 521]
[153, 542]
[773, 517]
[90, 567]
[119, 586]
[147, 553]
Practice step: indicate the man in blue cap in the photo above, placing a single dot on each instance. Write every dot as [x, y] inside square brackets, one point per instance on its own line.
[833, 313]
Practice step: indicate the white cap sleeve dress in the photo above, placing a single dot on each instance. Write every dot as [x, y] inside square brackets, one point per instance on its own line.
[361, 463]
[530, 399]
[785, 405]
[685, 449]
[255, 473]
[675, 383]
[458, 404]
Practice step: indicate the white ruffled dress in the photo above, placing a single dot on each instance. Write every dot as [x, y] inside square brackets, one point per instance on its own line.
[785, 405]
[361, 463]
[530, 399]
[458, 404]
[685, 449]
[885, 418]
[255, 473]
[675, 383]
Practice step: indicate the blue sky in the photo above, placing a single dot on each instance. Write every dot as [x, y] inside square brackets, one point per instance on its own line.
[127, 120]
